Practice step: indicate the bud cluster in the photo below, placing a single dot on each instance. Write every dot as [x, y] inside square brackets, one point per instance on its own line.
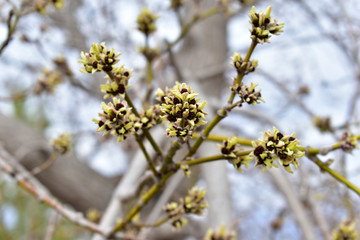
[150, 117]
[277, 146]
[176, 4]
[229, 150]
[183, 111]
[99, 58]
[149, 53]
[47, 81]
[348, 142]
[40, 5]
[118, 83]
[221, 234]
[117, 119]
[146, 21]
[323, 124]
[241, 66]
[62, 144]
[248, 94]
[263, 25]
[346, 231]
[193, 203]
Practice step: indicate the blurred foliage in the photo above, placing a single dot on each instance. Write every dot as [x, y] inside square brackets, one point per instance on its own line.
[33, 217]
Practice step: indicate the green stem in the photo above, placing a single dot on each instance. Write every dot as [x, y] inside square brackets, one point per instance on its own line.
[248, 142]
[145, 131]
[149, 72]
[160, 222]
[240, 75]
[147, 156]
[45, 165]
[223, 111]
[168, 160]
[335, 174]
[149, 78]
[148, 225]
[212, 158]
[173, 149]
[133, 109]
[220, 138]
[206, 132]
[131, 104]
[146, 198]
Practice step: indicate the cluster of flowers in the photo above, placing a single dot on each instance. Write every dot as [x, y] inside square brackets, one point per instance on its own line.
[183, 111]
[229, 149]
[263, 25]
[194, 203]
[149, 53]
[348, 142]
[99, 58]
[176, 4]
[62, 144]
[221, 234]
[47, 81]
[274, 146]
[118, 83]
[346, 231]
[40, 5]
[241, 66]
[246, 93]
[323, 124]
[146, 21]
[118, 119]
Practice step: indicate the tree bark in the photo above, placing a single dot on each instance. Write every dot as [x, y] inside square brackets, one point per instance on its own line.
[69, 179]
[202, 60]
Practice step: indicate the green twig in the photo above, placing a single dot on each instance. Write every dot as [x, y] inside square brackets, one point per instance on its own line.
[212, 158]
[247, 142]
[220, 138]
[223, 111]
[334, 174]
[149, 71]
[240, 75]
[174, 147]
[160, 222]
[146, 198]
[147, 156]
[45, 165]
[157, 224]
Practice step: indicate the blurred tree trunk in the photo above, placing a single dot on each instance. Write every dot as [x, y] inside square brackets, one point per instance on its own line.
[201, 60]
[68, 179]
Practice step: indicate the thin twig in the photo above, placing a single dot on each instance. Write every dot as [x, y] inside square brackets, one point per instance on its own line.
[30, 184]
[51, 226]
[11, 25]
[147, 156]
[45, 165]
[223, 112]
[340, 178]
